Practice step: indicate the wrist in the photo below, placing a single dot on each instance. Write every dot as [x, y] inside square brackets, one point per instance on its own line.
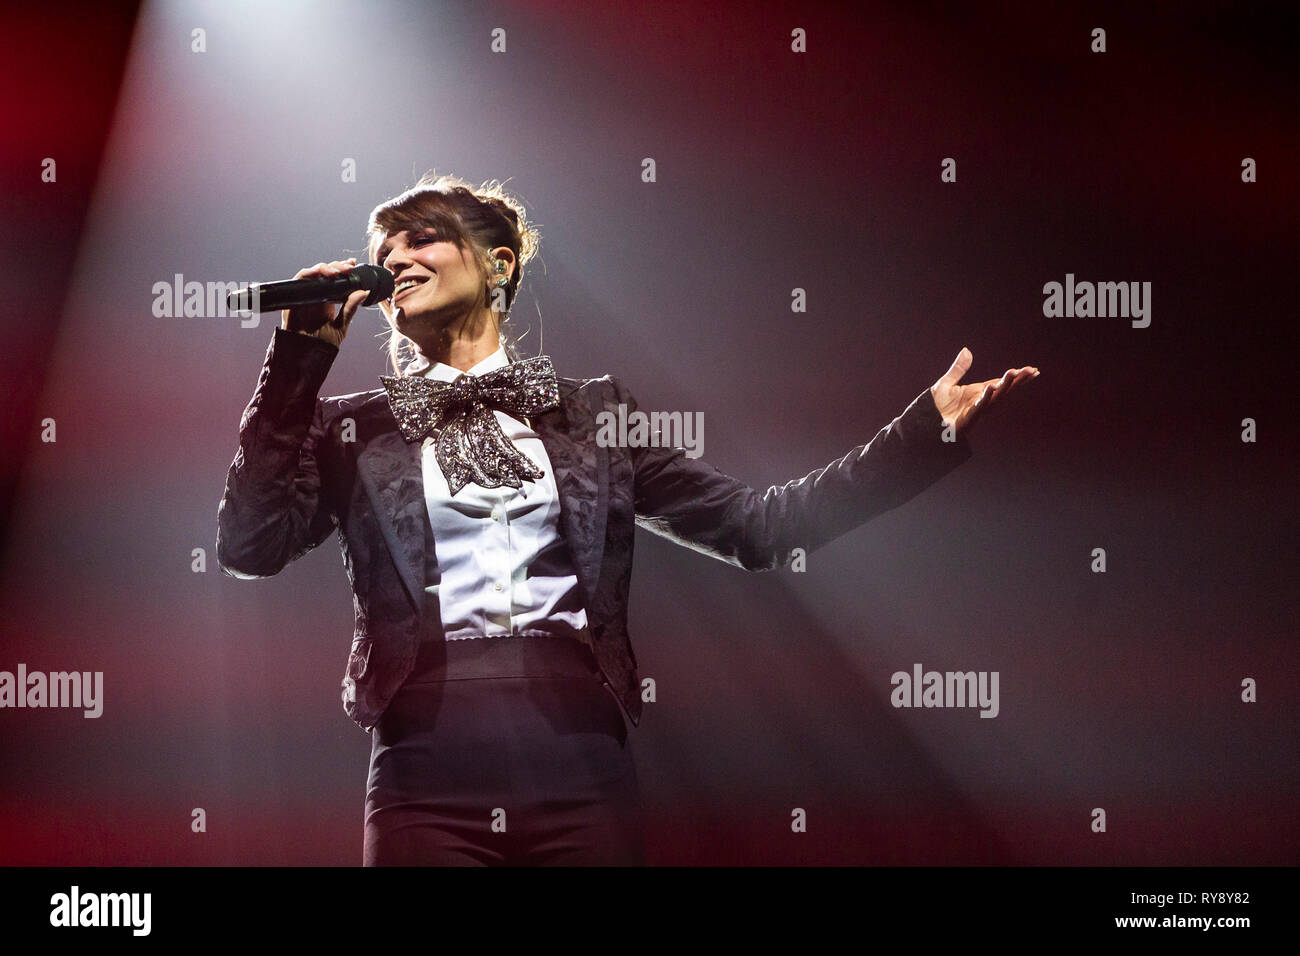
[297, 335]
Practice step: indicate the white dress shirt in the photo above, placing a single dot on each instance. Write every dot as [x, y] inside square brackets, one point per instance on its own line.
[505, 568]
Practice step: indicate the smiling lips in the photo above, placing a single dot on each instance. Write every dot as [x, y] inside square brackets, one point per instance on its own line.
[406, 285]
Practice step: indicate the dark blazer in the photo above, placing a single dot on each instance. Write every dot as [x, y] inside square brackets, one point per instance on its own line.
[296, 478]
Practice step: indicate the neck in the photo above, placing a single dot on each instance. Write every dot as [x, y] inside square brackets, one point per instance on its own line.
[463, 344]
[465, 355]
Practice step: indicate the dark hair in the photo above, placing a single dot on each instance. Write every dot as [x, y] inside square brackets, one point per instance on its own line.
[475, 219]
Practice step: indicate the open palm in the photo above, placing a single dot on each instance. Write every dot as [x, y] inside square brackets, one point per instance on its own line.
[960, 405]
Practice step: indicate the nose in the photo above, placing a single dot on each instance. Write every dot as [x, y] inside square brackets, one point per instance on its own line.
[396, 261]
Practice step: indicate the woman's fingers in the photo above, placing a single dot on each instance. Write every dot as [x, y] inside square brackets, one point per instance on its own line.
[349, 309]
[1017, 377]
[1002, 385]
[354, 301]
[310, 271]
[996, 388]
[327, 268]
[960, 365]
[314, 318]
[309, 318]
[1021, 375]
[1009, 378]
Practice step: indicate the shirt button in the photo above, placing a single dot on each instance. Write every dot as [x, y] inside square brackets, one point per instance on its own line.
[498, 587]
[496, 513]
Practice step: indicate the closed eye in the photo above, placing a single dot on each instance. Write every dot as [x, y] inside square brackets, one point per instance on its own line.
[416, 241]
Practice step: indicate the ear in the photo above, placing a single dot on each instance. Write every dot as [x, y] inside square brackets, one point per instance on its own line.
[508, 257]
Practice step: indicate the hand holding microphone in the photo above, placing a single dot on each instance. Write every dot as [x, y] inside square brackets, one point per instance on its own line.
[320, 318]
[305, 299]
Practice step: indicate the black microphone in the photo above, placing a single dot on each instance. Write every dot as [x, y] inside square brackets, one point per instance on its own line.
[273, 296]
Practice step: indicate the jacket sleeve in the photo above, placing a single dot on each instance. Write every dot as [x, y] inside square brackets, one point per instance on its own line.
[697, 506]
[274, 510]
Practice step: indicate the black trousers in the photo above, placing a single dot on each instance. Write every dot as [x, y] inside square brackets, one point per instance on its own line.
[503, 750]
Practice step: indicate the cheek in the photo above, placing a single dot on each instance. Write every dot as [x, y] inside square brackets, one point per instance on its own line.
[459, 281]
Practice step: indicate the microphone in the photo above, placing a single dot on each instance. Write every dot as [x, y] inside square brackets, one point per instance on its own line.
[273, 296]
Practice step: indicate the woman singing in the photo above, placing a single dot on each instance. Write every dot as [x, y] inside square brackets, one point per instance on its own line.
[487, 536]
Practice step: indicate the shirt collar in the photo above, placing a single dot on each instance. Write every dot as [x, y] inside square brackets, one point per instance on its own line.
[449, 373]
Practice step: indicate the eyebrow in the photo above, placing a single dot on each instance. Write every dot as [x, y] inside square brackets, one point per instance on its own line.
[383, 249]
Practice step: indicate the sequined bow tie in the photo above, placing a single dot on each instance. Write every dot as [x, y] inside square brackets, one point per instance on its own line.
[471, 445]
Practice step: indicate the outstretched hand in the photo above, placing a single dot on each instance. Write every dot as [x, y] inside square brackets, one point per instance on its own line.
[961, 404]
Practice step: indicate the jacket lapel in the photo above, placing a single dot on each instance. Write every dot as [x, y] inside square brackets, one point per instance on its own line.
[581, 478]
[390, 469]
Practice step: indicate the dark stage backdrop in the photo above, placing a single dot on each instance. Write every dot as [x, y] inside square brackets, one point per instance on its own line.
[229, 143]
